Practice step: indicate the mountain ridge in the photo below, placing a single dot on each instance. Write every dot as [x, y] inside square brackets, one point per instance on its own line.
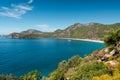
[31, 31]
[95, 31]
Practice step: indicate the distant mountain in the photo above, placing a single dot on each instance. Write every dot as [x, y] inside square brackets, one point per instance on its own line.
[89, 31]
[94, 31]
[31, 31]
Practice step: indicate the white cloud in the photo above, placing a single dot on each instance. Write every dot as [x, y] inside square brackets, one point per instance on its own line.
[46, 28]
[30, 1]
[15, 11]
[22, 7]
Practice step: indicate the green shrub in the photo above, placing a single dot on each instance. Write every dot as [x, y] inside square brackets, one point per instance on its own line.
[88, 70]
[113, 38]
[74, 61]
[33, 75]
[8, 77]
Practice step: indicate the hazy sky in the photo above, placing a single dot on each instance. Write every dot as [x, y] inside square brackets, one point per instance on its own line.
[49, 15]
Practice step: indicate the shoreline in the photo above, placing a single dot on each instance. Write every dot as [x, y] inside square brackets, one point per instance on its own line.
[90, 40]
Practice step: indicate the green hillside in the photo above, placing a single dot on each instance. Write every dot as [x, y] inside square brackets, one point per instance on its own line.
[89, 31]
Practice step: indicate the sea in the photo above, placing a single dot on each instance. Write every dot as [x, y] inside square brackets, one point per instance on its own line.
[19, 56]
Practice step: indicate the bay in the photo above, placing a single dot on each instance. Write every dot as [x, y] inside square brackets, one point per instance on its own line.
[19, 56]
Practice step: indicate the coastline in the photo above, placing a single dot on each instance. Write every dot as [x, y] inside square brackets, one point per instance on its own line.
[90, 40]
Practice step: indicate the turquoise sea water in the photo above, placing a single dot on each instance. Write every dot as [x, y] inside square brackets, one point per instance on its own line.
[19, 56]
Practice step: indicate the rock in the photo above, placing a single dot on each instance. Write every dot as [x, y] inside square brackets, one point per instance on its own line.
[107, 55]
[113, 52]
[106, 50]
[113, 63]
[118, 47]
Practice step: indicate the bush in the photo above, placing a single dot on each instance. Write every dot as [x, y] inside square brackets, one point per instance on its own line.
[58, 74]
[8, 77]
[74, 61]
[88, 70]
[113, 38]
[115, 76]
[33, 75]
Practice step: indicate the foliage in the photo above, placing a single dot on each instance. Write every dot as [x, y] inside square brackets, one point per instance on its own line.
[113, 38]
[8, 77]
[30, 36]
[94, 31]
[63, 66]
[88, 70]
[33, 75]
[103, 77]
[25, 36]
[81, 70]
[115, 76]
[74, 61]
[59, 73]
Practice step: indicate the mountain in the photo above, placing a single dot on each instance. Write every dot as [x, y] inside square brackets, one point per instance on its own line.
[89, 31]
[31, 31]
[95, 31]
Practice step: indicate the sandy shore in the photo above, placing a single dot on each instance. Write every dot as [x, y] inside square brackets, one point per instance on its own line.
[83, 40]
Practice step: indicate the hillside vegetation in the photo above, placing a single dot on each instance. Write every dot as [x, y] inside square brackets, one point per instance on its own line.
[86, 31]
[102, 64]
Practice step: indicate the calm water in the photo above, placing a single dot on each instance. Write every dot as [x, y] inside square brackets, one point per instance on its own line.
[19, 56]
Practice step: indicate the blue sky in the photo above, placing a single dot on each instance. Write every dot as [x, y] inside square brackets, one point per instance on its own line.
[49, 15]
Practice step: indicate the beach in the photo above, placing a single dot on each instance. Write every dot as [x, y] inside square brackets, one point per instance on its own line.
[84, 40]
